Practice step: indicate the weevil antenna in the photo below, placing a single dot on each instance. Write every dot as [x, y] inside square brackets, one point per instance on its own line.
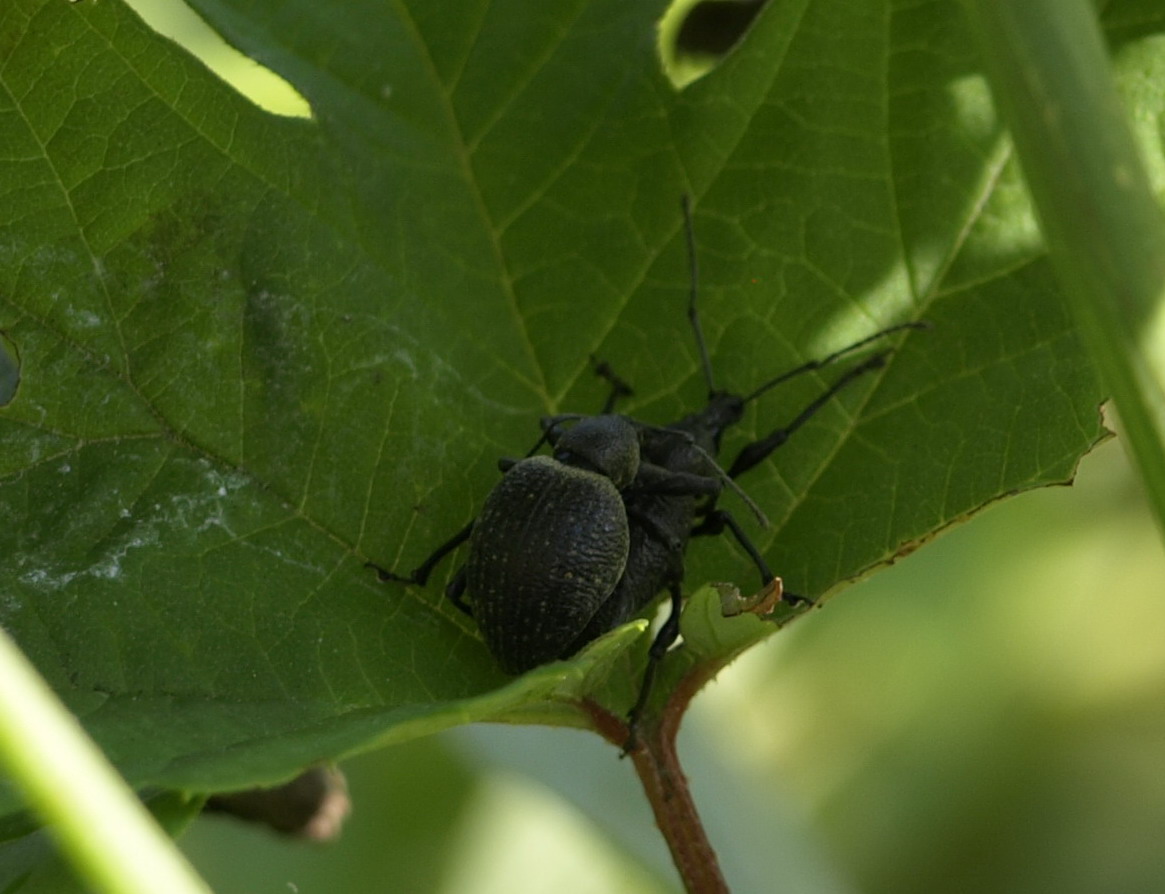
[825, 361]
[735, 488]
[694, 278]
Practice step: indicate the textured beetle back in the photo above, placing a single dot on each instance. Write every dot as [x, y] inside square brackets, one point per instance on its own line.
[548, 549]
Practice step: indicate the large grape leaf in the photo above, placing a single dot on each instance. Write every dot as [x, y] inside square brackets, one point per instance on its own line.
[257, 353]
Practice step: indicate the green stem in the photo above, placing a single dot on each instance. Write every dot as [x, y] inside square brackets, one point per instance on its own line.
[112, 840]
[1106, 234]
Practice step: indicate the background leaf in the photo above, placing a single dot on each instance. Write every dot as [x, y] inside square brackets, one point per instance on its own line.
[259, 352]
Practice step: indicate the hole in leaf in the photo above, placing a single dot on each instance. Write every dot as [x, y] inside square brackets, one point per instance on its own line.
[9, 370]
[696, 35]
[177, 21]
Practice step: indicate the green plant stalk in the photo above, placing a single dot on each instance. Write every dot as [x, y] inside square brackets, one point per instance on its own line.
[1050, 74]
[110, 838]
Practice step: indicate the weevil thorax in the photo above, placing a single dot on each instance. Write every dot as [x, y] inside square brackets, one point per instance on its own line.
[607, 444]
[724, 410]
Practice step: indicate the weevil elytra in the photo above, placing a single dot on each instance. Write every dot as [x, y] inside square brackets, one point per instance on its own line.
[571, 545]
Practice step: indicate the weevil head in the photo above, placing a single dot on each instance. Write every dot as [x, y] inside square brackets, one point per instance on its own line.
[606, 444]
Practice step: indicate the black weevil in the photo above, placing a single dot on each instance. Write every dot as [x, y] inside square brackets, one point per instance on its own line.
[572, 545]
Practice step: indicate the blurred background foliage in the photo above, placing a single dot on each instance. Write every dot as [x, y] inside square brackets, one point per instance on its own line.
[988, 715]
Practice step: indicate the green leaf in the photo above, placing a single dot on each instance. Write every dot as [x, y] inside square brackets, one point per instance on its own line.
[256, 353]
[1102, 223]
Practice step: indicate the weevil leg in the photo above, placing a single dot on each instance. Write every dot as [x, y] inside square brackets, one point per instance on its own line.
[759, 450]
[421, 573]
[716, 520]
[813, 365]
[667, 635]
[619, 387]
[795, 599]
[550, 431]
[456, 589]
[653, 479]
[550, 434]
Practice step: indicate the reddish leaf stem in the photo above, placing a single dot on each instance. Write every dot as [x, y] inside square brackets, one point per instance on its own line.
[667, 790]
[675, 812]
